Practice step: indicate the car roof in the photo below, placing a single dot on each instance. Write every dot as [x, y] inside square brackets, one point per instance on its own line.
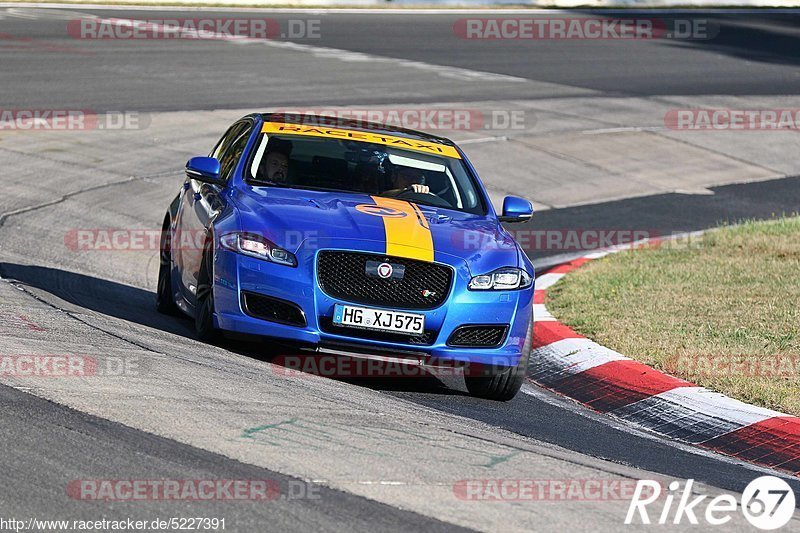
[307, 119]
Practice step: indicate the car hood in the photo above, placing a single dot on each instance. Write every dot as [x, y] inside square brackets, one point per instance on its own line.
[295, 218]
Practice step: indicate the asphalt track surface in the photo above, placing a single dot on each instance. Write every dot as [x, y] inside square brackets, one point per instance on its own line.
[69, 443]
[758, 55]
[753, 54]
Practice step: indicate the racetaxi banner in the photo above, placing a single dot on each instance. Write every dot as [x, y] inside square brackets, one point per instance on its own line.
[363, 136]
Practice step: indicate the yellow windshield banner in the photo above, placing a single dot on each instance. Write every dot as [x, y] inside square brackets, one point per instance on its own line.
[363, 136]
[409, 235]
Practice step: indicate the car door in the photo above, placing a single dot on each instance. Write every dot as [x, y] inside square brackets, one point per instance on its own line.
[200, 204]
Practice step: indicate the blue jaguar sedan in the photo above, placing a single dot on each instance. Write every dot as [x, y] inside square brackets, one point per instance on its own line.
[358, 238]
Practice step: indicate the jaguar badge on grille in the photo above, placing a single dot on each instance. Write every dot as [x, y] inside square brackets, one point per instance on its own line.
[429, 294]
[385, 270]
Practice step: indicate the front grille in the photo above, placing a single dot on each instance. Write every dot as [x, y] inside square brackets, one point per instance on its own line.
[427, 337]
[487, 336]
[343, 275]
[272, 309]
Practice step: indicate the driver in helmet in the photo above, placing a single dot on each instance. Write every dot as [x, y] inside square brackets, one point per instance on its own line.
[407, 179]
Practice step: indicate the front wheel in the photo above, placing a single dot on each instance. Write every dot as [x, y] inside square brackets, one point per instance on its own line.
[204, 303]
[501, 383]
[165, 303]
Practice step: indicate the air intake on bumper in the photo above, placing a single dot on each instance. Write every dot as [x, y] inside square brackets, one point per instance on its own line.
[479, 336]
[272, 309]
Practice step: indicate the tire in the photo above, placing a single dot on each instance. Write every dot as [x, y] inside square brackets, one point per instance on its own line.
[204, 302]
[502, 383]
[165, 303]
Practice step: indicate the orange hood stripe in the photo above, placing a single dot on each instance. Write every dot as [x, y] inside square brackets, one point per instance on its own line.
[408, 236]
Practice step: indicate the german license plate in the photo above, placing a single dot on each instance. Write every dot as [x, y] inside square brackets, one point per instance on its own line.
[378, 319]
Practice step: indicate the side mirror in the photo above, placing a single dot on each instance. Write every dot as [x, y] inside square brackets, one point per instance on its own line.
[516, 209]
[205, 169]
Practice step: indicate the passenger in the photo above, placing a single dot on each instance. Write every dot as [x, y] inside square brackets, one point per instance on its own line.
[365, 178]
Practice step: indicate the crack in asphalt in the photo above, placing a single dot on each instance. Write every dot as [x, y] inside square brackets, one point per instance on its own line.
[21, 211]
[22, 287]
[128, 179]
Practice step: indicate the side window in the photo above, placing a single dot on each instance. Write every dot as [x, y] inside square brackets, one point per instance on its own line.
[225, 141]
[231, 147]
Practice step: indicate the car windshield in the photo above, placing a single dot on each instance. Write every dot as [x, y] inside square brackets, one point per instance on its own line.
[322, 163]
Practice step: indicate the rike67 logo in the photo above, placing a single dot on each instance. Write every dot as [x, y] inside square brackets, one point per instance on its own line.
[768, 503]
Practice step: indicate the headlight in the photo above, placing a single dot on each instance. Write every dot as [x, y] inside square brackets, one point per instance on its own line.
[502, 279]
[257, 246]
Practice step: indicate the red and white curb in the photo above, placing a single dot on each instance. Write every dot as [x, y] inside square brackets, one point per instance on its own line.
[608, 382]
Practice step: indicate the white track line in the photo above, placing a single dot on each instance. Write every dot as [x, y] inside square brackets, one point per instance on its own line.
[322, 52]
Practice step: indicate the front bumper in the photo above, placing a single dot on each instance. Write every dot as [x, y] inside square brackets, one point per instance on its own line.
[235, 273]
